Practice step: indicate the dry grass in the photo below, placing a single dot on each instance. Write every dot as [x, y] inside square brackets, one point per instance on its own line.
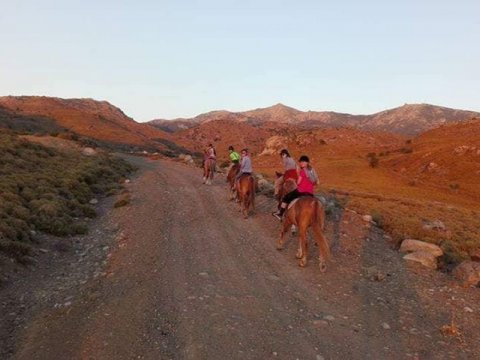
[398, 203]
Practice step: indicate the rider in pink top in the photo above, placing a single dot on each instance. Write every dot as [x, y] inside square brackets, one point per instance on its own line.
[304, 185]
[307, 179]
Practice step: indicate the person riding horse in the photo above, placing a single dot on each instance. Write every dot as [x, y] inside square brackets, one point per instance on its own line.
[306, 181]
[234, 156]
[289, 166]
[245, 164]
[209, 164]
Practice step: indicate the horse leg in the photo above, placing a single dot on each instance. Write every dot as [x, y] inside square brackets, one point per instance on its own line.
[294, 230]
[246, 205]
[302, 245]
[323, 248]
[285, 226]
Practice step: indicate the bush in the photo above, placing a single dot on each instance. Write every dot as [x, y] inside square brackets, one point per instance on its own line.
[44, 189]
[373, 161]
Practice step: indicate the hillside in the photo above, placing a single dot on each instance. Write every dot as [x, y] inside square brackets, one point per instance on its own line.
[224, 133]
[93, 119]
[448, 157]
[409, 119]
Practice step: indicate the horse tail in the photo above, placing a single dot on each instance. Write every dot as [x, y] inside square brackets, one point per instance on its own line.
[318, 226]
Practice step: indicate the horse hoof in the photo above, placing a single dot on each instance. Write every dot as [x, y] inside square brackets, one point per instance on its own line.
[279, 247]
[302, 263]
[298, 255]
[323, 267]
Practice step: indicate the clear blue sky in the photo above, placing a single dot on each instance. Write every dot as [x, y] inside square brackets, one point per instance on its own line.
[181, 58]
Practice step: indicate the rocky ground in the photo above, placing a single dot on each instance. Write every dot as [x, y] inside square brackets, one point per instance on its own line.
[179, 274]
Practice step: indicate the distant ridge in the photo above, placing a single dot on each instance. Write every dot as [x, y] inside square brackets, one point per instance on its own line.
[90, 118]
[409, 119]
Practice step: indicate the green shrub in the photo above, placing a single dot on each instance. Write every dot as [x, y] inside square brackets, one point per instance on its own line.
[45, 189]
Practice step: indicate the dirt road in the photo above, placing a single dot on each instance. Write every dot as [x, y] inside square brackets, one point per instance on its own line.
[188, 278]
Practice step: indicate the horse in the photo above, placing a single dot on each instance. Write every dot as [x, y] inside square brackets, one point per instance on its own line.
[232, 174]
[305, 212]
[280, 191]
[246, 193]
[208, 171]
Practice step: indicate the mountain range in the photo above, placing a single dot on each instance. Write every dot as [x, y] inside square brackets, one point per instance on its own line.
[409, 119]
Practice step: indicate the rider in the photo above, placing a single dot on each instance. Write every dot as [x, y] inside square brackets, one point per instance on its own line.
[234, 156]
[289, 166]
[307, 179]
[245, 164]
[210, 152]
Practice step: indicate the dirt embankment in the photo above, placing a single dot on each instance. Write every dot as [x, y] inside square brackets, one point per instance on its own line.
[186, 277]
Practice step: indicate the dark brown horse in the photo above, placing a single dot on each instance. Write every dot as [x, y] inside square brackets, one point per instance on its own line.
[305, 212]
[232, 174]
[246, 193]
[208, 171]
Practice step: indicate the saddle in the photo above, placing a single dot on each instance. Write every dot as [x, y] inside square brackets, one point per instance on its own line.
[303, 196]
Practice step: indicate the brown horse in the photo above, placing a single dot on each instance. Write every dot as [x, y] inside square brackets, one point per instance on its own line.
[232, 174]
[208, 171]
[279, 190]
[305, 212]
[246, 193]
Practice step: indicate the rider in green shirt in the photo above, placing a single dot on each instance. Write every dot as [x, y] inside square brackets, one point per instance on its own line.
[234, 156]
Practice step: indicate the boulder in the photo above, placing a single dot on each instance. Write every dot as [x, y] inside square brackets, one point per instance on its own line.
[187, 158]
[182, 156]
[424, 258]
[410, 245]
[88, 151]
[468, 272]
[264, 186]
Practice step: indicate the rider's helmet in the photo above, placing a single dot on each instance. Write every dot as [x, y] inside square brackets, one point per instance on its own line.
[230, 148]
[304, 158]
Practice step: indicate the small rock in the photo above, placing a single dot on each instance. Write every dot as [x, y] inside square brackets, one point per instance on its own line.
[43, 251]
[203, 274]
[410, 245]
[88, 151]
[329, 318]
[467, 309]
[68, 303]
[424, 258]
[367, 218]
[434, 225]
[468, 272]
[386, 326]
[374, 274]
[93, 201]
[320, 357]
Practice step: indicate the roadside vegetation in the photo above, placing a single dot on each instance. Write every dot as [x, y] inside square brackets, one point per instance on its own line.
[44, 189]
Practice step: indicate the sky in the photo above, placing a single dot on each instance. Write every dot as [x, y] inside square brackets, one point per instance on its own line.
[168, 59]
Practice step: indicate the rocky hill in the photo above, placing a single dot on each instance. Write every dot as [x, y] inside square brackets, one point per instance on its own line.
[448, 156]
[93, 119]
[409, 119]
